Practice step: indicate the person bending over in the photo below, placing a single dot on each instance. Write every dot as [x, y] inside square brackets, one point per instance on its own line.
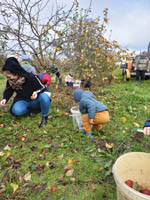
[30, 96]
[93, 111]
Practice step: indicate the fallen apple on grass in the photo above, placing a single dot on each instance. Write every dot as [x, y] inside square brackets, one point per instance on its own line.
[53, 188]
[1, 125]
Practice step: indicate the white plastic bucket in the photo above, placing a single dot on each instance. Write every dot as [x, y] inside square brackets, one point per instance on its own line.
[76, 84]
[134, 166]
[76, 117]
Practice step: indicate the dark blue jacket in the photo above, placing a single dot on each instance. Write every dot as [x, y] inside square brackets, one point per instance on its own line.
[147, 123]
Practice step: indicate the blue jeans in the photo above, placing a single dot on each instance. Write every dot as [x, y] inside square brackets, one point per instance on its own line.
[69, 84]
[41, 103]
[47, 88]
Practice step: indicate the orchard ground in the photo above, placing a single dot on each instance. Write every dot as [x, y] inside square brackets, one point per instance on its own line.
[33, 160]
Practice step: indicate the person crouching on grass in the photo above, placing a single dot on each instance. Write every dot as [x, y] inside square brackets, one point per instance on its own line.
[30, 96]
[93, 111]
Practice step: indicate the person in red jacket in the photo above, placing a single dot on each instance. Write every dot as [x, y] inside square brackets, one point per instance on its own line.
[45, 79]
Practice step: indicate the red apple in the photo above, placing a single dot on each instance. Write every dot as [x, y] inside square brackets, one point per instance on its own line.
[53, 188]
[146, 191]
[129, 183]
[1, 125]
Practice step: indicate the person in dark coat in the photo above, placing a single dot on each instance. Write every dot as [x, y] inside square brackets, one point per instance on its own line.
[55, 71]
[142, 65]
[30, 95]
[86, 82]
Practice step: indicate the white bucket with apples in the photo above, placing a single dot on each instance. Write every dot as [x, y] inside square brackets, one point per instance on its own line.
[76, 117]
[132, 167]
[76, 84]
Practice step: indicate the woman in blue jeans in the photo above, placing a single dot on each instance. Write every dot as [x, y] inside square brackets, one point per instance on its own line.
[30, 92]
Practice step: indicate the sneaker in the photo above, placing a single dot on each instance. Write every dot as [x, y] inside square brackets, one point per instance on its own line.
[88, 134]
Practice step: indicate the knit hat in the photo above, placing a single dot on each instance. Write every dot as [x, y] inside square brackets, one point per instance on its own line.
[77, 94]
[71, 72]
[26, 58]
[12, 65]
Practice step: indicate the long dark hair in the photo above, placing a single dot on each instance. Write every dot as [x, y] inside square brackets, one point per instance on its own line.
[12, 65]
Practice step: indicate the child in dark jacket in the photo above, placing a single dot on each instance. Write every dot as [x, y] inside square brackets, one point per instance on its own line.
[93, 111]
[86, 82]
[147, 127]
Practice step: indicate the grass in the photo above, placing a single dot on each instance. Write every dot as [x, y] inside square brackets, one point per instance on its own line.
[58, 155]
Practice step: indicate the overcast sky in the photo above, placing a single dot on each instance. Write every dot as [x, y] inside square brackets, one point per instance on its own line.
[129, 20]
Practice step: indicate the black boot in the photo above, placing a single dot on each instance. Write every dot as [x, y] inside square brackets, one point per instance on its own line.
[44, 121]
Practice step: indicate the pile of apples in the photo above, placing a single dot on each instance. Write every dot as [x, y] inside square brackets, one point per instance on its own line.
[137, 187]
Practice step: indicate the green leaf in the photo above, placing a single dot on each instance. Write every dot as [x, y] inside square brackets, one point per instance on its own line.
[108, 164]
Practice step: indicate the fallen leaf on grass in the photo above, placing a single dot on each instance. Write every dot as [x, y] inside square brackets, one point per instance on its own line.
[40, 169]
[136, 124]
[16, 164]
[70, 162]
[2, 153]
[40, 188]
[8, 154]
[123, 119]
[74, 151]
[61, 156]
[23, 139]
[65, 113]
[14, 186]
[61, 177]
[101, 168]
[145, 107]
[33, 167]
[27, 177]
[7, 148]
[62, 144]
[47, 164]
[41, 157]
[72, 179]
[67, 167]
[45, 132]
[109, 145]
[20, 179]
[104, 137]
[93, 186]
[69, 172]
